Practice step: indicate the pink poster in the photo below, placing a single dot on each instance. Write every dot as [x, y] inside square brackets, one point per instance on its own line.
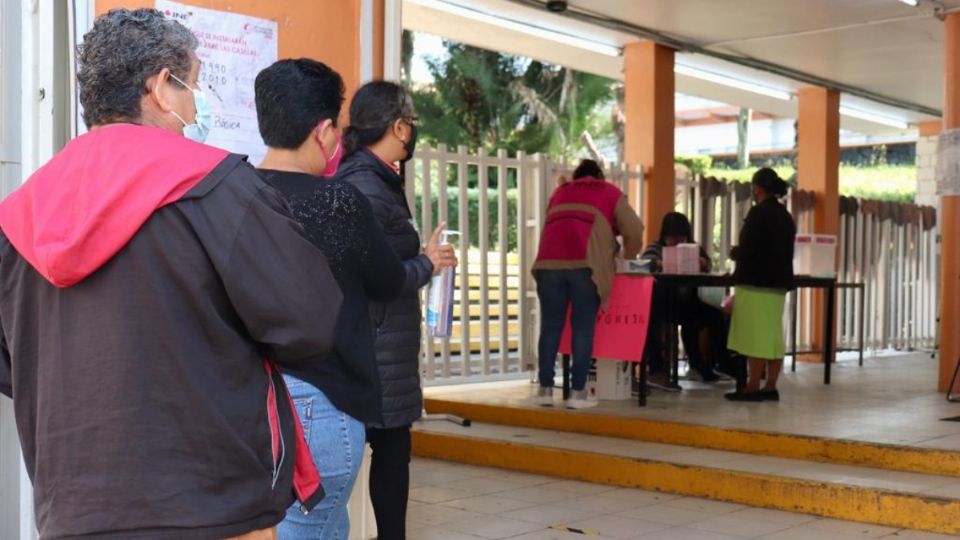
[621, 329]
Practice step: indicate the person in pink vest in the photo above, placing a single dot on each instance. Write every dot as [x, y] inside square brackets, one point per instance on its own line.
[574, 269]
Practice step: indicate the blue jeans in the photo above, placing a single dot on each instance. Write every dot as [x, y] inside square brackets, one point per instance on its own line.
[558, 289]
[336, 443]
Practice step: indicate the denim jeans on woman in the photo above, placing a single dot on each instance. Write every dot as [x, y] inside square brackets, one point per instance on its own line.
[558, 290]
[336, 443]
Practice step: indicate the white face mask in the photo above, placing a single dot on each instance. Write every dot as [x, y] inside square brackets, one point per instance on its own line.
[204, 118]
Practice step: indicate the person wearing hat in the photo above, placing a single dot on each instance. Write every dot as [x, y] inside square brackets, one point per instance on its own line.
[763, 276]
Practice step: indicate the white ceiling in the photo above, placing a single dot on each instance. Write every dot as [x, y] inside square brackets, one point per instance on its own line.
[882, 46]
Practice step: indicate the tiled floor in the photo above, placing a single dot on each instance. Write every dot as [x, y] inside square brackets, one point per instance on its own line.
[464, 502]
[891, 399]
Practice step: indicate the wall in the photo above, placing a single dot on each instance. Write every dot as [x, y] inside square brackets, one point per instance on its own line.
[325, 30]
[926, 169]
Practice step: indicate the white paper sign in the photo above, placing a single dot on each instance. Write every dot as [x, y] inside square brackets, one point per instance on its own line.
[233, 49]
[948, 162]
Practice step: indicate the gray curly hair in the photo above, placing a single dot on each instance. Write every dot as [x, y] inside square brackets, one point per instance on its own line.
[120, 53]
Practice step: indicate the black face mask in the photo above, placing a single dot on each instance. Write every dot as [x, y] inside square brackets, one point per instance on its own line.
[410, 145]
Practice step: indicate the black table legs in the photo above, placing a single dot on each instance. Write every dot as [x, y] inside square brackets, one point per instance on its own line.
[830, 322]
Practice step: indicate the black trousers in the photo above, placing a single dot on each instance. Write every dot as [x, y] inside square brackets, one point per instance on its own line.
[692, 315]
[390, 480]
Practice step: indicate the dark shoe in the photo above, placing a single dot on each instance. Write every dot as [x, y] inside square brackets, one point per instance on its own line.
[770, 395]
[709, 376]
[744, 396]
[661, 381]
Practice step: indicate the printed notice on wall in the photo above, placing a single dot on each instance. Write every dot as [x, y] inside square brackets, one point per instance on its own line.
[233, 49]
[948, 162]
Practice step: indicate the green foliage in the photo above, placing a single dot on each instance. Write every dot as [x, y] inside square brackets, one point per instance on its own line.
[698, 164]
[745, 175]
[880, 182]
[883, 182]
[473, 213]
[488, 100]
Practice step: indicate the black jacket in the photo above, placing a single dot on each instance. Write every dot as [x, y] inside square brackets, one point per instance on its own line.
[397, 323]
[139, 386]
[764, 254]
[338, 219]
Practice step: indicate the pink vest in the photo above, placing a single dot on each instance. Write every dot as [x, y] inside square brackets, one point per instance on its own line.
[566, 233]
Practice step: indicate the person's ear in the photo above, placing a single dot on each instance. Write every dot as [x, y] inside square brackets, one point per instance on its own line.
[158, 88]
[400, 130]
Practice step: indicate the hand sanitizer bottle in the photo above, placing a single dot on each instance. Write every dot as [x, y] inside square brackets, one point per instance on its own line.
[440, 297]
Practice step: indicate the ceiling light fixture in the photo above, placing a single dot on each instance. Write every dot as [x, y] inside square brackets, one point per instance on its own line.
[508, 24]
[724, 80]
[875, 118]
[911, 2]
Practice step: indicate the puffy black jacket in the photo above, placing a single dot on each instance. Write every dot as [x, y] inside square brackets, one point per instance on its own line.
[397, 323]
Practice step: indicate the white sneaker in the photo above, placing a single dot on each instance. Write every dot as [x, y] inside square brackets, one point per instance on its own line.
[544, 396]
[579, 399]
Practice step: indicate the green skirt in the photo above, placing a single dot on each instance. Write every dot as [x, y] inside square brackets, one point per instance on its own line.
[756, 326]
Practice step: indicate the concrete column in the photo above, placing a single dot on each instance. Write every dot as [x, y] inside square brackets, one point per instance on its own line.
[649, 104]
[818, 170]
[949, 218]
[927, 163]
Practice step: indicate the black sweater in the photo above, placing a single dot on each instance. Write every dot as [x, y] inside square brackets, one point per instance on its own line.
[765, 252]
[338, 219]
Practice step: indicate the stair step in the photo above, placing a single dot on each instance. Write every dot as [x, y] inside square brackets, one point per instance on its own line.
[927, 502]
[783, 445]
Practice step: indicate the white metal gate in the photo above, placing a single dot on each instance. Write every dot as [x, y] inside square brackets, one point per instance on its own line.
[495, 313]
[891, 248]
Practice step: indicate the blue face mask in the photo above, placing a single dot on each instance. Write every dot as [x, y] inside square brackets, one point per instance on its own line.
[199, 130]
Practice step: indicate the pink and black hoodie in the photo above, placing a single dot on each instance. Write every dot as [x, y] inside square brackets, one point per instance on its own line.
[144, 280]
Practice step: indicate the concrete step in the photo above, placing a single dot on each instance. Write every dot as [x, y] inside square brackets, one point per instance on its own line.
[928, 502]
[763, 443]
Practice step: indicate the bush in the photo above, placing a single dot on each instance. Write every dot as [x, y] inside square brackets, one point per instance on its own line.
[882, 182]
[697, 164]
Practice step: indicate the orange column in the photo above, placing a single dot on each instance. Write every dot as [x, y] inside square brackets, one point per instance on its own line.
[950, 217]
[818, 170]
[930, 128]
[648, 97]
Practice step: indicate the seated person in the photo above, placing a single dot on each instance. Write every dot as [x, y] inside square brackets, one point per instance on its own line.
[691, 314]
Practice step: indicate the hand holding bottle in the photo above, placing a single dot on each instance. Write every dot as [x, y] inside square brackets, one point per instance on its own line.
[440, 255]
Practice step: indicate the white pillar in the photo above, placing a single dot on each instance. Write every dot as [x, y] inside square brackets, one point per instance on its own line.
[392, 39]
[12, 483]
[36, 104]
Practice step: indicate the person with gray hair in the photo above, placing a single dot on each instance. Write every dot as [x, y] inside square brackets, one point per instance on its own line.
[152, 284]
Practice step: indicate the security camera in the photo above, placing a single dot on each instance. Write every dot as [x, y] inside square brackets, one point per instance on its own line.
[557, 6]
